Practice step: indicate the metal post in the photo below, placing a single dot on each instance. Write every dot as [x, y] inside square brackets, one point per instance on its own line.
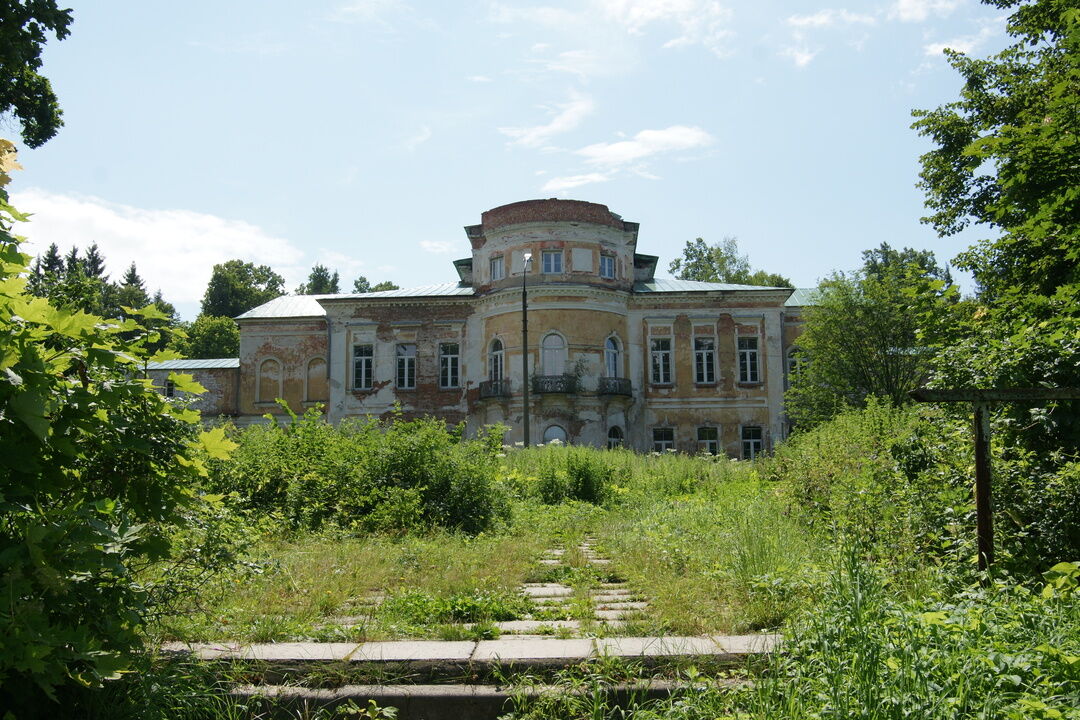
[525, 258]
[983, 515]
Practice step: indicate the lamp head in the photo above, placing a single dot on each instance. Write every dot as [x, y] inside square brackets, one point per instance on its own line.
[526, 257]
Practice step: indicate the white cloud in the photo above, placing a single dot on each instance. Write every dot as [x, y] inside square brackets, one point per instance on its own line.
[703, 22]
[646, 144]
[920, 10]
[439, 247]
[174, 250]
[965, 44]
[559, 184]
[420, 137]
[478, 78]
[800, 55]
[566, 117]
[830, 18]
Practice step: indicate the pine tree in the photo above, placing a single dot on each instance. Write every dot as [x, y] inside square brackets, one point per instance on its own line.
[94, 263]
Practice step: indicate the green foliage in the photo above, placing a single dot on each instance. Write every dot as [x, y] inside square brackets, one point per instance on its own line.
[366, 476]
[721, 263]
[363, 285]
[96, 471]
[210, 337]
[1003, 651]
[1006, 157]
[867, 336]
[24, 93]
[320, 282]
[236, 286]
[419, 608]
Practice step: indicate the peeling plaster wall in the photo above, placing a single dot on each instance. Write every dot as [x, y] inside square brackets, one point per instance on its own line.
[292, 342]
[221, 386]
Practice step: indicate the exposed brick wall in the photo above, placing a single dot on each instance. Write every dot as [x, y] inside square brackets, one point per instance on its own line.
[549, 211]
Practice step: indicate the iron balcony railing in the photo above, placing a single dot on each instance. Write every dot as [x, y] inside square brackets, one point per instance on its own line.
[495, 388]
[613, 386]
[554, 384]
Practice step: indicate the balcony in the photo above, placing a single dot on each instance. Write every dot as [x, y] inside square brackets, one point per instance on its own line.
[613, 386]
[495, 388]
[542, 384]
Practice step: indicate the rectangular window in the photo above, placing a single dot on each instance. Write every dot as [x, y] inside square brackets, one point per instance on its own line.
[363, 365]
[661, 361]
[552, 261]
[751, 442]
[607, 266]
[708, 439]
[748, 360]
[449, 365]
[497, 268]
[704, 361]
[406, 366]
[663, 439]
[170, 388]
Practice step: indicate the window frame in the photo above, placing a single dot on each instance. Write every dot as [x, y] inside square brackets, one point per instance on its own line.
[496, 358]
[497, 261]
[547, 268]
[617, 440]
[564, 440]
[705, 361]
[612, 357]
[660, 359]
[449, 366]
[170, 389]
[370, 363]
[709, 446]
[544, 354]
[661, 444]
[749, 360]
[749, 443]
[608, 261]
[405, 375]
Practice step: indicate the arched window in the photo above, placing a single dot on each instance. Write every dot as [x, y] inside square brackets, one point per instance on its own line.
[614, 437]
[553, 360]
[553, 433]
[496, 360]
[612, 357]
[269, 380]
[317, 390]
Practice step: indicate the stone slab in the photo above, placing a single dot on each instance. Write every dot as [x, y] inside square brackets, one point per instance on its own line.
[540, 590]
[748, 644]
[659, 647]
[512, 649]
[295, 652]
[531, 626]
[550, 562]
[612, 596]
[405, 650]
[613, 614]
[622, 605]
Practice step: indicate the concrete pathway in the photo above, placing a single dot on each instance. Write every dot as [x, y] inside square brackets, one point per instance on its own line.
[504, 650]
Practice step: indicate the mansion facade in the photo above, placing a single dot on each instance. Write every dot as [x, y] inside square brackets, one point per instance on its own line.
[614, 356]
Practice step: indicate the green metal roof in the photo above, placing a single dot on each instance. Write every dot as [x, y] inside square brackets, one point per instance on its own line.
[661, 285]
[802, 297]
[303, 306]
[201, 364]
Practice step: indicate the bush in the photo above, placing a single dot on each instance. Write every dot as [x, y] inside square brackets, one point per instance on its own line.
[365, 475]
[96, 470]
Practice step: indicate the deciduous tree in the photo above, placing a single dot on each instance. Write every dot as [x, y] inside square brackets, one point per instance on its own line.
[236, 286]
[320, 282]
[721, 263]
[24, 92]
[210, 337]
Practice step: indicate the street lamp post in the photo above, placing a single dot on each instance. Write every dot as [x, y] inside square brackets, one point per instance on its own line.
[526, 257]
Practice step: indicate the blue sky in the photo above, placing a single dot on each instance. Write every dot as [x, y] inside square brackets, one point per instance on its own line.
[364, 134]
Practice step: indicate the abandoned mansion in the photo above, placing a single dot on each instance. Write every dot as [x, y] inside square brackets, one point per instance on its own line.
[556, 324]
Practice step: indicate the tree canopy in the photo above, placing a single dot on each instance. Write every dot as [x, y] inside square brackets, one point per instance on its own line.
[210, 337]
[866, 335]
[363, 285]
[320, 282]
[236, 286]
[24, 92]
[1007, 157]
[721, 263]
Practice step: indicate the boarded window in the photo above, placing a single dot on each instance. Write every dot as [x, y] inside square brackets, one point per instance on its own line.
[317, 390]
[269, 380]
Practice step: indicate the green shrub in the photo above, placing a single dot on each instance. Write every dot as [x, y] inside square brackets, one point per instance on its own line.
[96, 470]
[366, 475]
